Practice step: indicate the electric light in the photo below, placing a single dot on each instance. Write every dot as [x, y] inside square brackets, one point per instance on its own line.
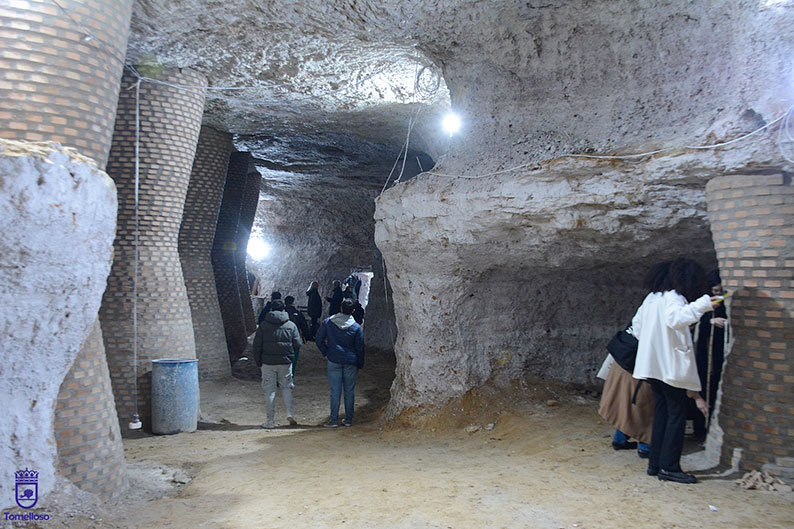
[451, 123]
[258, 249]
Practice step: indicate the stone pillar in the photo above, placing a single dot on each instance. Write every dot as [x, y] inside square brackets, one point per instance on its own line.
[170, 119]
[248, 207]
[60, 82]
[196, 234]
[752, 221]
[224, 254]
[57, 217]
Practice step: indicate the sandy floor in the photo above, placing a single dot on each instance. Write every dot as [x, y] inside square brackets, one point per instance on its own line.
[540, 466]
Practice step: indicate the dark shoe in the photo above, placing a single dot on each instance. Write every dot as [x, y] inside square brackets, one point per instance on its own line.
[625, 445]
[331, 425]
[643, 454]
[652, 470]
[345, 422]
[291, 420]
[678, 477]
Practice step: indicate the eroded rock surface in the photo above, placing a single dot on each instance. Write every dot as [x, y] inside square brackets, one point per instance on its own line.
[57, 220]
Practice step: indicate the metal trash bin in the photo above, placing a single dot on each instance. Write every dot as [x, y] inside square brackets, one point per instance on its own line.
[175, 395]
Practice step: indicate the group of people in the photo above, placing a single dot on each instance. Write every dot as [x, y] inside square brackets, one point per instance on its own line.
[281, 332]
[670, 377]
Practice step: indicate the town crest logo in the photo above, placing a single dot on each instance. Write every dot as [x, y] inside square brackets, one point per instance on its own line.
[27, 488]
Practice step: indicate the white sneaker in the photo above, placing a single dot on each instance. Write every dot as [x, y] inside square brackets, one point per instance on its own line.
[345, 422]
[269, 425]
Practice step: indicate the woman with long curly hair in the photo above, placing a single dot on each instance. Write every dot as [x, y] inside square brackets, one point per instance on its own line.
[666, 357]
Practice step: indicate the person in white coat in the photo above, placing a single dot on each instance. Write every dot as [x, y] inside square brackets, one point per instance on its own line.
[666, 357]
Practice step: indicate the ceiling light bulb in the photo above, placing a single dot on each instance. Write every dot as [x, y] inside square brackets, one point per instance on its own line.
[258, 249]
[451, 123]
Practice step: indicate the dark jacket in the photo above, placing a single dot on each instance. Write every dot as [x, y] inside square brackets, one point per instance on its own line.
[336, 301]
[277, 340]
[314, 307]
[341, 340]
[264, 311]
[296, 317]
[358, 313]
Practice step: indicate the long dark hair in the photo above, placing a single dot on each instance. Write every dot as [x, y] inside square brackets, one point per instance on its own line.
[684, 276]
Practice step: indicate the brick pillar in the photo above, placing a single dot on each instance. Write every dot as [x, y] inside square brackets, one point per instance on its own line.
[196, 234]
[86, 428]
[57, 86]
[752, 221]
[54, 84]
[247, 213]
[225, 254]
[170, 120]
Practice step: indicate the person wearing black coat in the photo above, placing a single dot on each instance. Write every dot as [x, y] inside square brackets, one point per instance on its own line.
[296, 316]
[714, 346]
[358, 312]
[268, 307]
[314, 307]
[335, 299]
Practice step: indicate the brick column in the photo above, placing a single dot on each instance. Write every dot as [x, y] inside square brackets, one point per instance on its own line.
[60, 84]
[225, 256]
[54, 84]
[752, 221]
[86, 427]
[196, 234]
[170, 120]
[247, 213]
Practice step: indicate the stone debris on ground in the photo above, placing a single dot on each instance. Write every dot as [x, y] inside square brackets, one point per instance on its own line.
[472, 428]
[762, 481]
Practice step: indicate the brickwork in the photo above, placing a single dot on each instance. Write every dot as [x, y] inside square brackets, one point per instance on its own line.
[225, 254]
[90, 453]
[170, 120]
[54, 84]
[247, 213]
[196, 234]
[752, 221]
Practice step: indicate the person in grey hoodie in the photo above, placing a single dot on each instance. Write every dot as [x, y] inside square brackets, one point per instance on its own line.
[341, 340]
[276, 347]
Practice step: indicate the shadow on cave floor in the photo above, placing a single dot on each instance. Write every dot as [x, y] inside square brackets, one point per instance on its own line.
[232, 404]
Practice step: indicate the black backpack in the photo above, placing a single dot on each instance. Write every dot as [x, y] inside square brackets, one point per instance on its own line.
[623, 348]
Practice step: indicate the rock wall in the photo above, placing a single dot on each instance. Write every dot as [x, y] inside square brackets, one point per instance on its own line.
[509, 260]
[49, 292]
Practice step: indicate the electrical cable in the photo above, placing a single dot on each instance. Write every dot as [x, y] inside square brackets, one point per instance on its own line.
[786, 116]
[136, 417]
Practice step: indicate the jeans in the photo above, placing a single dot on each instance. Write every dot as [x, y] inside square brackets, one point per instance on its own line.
[277, 376]
[620, 437]
[340, 376]
[669, 419]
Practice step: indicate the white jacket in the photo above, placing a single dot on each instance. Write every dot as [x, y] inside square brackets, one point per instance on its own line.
[665, 351]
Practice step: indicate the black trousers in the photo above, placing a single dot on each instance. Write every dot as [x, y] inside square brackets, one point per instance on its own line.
[669, 421]
[314, 326]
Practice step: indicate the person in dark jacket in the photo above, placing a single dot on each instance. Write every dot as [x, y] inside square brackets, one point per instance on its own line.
[314, 307]
[335, 299]
[358, 312]
[268, 306]
[296, 317]
[341, 340]
[275, 350]
[710, 346]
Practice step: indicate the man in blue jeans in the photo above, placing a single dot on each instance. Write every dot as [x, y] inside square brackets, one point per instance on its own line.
[341, 340]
